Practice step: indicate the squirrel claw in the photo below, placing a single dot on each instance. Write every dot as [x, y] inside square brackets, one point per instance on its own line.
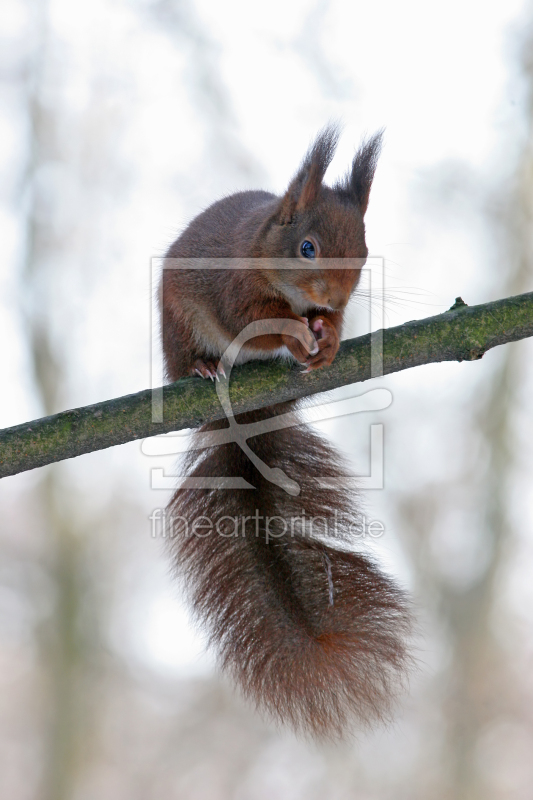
[204, 369]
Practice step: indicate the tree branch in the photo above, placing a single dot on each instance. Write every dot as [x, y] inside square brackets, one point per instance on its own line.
[464, 333]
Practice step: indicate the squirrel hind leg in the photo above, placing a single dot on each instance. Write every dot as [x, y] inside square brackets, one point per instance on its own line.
[205, 369]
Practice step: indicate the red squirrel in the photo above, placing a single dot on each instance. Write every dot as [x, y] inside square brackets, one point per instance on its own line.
[313, 633]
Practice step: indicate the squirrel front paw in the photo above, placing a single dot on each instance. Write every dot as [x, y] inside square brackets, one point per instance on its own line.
[328, 343]
[304, 346]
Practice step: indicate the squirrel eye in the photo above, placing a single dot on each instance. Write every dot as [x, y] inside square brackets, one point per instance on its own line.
[307, 249]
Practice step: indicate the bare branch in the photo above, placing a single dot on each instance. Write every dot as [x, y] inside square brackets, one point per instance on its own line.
[464, 333]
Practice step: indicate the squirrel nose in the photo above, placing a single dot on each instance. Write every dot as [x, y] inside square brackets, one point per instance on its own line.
[337, 301]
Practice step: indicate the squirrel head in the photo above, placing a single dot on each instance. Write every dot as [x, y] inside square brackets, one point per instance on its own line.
[318, 225]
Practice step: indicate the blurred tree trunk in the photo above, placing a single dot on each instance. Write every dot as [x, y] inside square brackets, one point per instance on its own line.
[480, 689]
[61, 641]
[483, 687]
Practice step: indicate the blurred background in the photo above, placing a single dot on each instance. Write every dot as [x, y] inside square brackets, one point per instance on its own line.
[119, 122]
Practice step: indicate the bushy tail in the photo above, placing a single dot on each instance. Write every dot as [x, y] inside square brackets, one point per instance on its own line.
[313, 634]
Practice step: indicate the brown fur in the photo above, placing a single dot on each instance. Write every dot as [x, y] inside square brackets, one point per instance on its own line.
[313, 633]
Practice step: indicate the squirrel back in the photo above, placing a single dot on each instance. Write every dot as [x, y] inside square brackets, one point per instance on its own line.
[314, 633]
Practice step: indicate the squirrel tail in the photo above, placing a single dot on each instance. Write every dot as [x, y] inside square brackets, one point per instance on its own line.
[313, 632]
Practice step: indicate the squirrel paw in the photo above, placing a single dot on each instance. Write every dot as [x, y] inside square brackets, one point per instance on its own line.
[328, 343]
[300, 349]
[205, 369]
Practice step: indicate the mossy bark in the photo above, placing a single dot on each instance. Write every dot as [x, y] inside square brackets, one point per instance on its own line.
[464, 333]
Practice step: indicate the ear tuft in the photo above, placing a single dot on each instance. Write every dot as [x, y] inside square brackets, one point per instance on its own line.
[357, 184]
[305, 186]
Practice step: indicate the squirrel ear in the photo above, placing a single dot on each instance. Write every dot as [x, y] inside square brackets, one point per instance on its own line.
[358, 182]
[305, 186]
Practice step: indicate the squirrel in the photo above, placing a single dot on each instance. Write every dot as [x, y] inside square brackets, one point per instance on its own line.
[314, 633]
